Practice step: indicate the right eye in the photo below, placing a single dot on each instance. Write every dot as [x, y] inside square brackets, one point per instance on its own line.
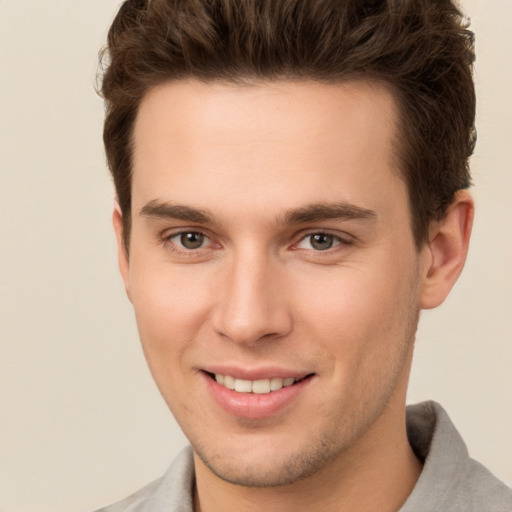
[189, 240]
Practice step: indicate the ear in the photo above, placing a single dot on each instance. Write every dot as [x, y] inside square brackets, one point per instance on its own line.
[122, 253]
[446, 251]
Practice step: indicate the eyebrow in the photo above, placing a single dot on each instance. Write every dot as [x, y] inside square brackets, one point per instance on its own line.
[309, 213]
[176, 211]
[327, 211]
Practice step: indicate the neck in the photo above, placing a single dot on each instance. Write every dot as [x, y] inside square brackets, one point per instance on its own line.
[377, 473]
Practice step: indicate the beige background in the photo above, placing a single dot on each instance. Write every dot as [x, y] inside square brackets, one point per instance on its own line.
[81, 423]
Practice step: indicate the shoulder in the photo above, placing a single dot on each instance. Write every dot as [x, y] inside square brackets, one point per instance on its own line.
[450, 480]
[136, 501]
[484, 490]
[172, 492]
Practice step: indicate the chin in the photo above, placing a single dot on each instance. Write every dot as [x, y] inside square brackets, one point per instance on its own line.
[268, 470]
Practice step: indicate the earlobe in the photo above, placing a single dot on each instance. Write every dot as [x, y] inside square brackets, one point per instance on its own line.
[446, 251]
[122, 253]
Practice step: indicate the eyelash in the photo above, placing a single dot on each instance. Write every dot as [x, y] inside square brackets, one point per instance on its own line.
[166, 240]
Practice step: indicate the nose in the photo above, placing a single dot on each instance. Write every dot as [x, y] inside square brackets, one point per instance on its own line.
[252, 303]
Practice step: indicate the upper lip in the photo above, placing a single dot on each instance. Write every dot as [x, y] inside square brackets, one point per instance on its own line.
[259, 373]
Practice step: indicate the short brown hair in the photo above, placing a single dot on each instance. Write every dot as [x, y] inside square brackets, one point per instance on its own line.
[422, 49]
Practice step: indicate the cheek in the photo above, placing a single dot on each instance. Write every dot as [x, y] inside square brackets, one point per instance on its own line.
[345, 299]
[170, 308]
[358, 313]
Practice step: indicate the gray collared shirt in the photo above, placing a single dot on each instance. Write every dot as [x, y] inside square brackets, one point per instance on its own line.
[450, 481]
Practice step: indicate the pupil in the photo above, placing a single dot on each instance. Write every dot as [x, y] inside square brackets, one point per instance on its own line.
[321, 241]
[192, 240]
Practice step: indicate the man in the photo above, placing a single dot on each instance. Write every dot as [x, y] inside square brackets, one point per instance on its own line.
[292, 185]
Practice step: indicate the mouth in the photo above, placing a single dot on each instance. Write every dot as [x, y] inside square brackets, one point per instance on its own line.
[269, 393]
[259, 387]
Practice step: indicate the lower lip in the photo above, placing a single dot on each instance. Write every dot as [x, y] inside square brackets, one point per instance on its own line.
[254, 405]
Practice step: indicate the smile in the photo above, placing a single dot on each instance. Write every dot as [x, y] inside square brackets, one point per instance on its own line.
[260, 387]
[255, 398]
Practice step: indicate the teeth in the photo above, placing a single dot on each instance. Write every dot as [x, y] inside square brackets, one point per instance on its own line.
[229, 382]
[260, 387]
[276, 383]
[243, 386]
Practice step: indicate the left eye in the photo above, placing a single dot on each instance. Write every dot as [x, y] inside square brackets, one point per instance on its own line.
[319, 241]
[190, 240]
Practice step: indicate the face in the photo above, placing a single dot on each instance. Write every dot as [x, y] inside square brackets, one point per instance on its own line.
[271, 252]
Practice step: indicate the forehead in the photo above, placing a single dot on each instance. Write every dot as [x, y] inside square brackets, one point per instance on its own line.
[281, 143]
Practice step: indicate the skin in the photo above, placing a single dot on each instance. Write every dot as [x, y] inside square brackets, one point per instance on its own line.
[247, 167]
